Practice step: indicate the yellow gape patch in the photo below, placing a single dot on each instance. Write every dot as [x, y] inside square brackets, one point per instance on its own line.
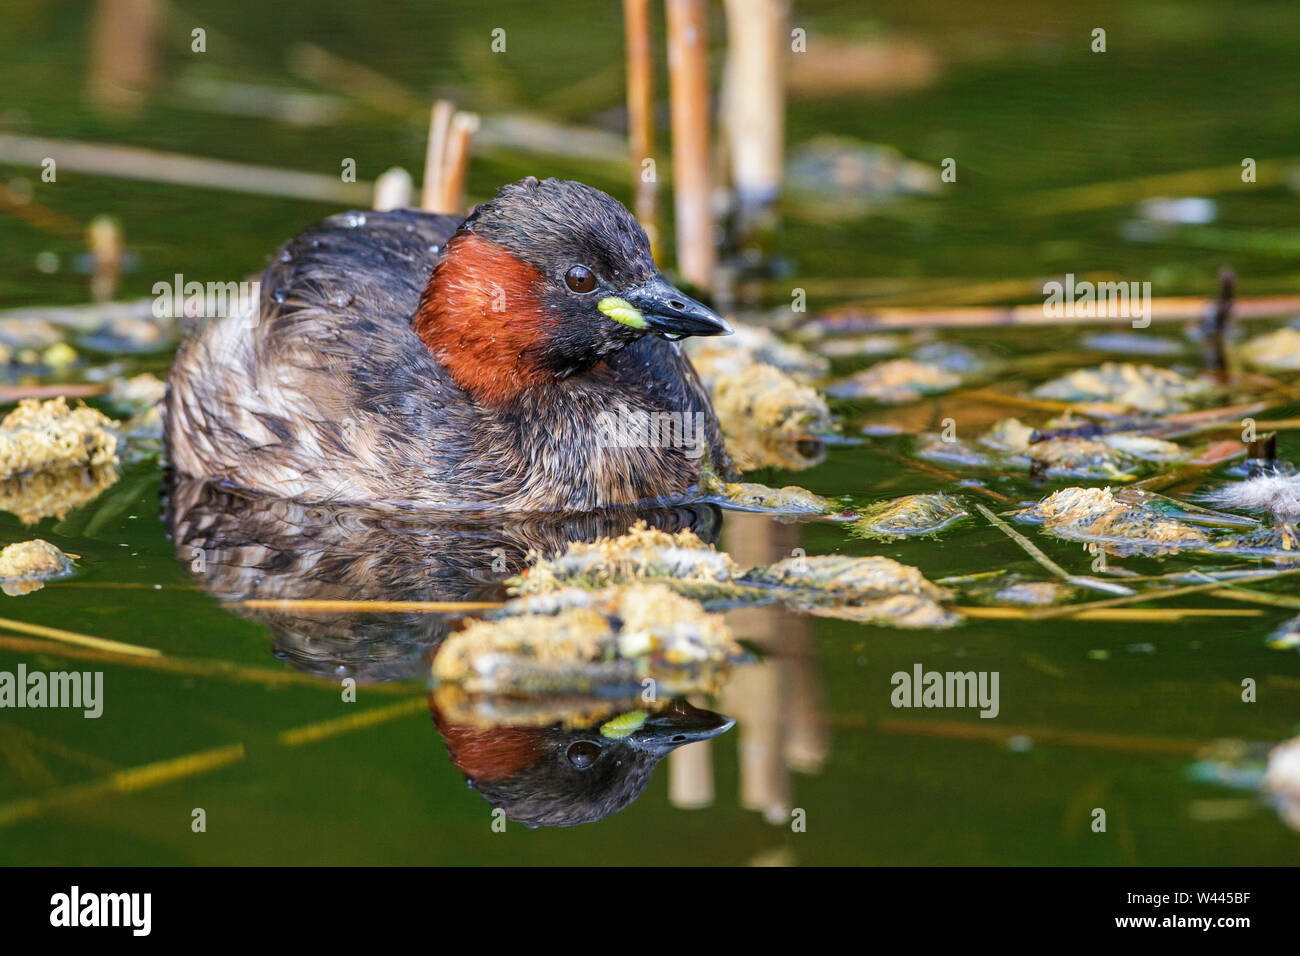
[620, 310]
[624, 725]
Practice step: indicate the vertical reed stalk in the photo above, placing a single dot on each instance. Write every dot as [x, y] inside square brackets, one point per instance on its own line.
[640, 114]
[754, 106]
[688, 81]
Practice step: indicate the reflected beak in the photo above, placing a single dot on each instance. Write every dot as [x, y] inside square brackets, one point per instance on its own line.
[678, 725]
[671, 313]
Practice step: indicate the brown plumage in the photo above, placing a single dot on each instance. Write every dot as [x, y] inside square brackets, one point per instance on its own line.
[414, 360]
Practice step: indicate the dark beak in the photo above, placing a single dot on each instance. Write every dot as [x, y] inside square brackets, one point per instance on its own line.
[678, 725]
[672, 313]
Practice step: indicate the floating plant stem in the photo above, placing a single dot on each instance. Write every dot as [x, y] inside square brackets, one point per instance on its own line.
[968, 730]
[940, 473]
[16, 393]
[1163, 309]
[313, 733]
[1028, 546]
[1155, 594]
[376, 607]
[1018, 401]
[132, 780]
[158, 773]
[84, 640]
[149, 165]
[1190, 182]
[1037, 554]
[1109, 614]
[1255, 597]
[189, 666]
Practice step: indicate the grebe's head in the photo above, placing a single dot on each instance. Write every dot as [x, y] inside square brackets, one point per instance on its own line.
[544, 281]
[558, 775]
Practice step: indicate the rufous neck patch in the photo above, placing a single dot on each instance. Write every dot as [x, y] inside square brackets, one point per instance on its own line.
[481, 317]
[491, 755]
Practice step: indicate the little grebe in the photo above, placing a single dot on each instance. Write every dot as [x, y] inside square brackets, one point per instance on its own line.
[420, 360]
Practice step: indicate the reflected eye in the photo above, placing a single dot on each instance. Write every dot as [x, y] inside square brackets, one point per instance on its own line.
[583, 754]
[580, 279]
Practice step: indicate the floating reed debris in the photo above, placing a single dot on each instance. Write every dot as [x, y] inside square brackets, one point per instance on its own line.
[37, 436]
[1121, 524]
[190, 666]
[980, 730]
[314, 733]
[1155, 594]
[1278, 350]
[1112, 615]
[762, 399]
[161, 772]
[16, 393]
[34, 214]
[54, 458]
[1170, 309]
[54, 492]
[378, 92]
[1026, 545]
[145, 777]
[320, 606]
[642, 552]
[1087, 451]
[896, 382]
[25, 566]
[129, 162]
[1216, 454]
[82, 640]
[1256, 597]
[910, 515]
[1191, 182]
[790, 500]
[940, 473]
[750, 344]
[1146, 388]
[1037, 554]
[589, 643]
[872, 588]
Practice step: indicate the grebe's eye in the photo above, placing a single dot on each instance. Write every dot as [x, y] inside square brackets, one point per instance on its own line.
[583, 754]
[580, 279]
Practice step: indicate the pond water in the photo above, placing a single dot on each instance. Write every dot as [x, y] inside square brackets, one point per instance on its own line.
[242, 714]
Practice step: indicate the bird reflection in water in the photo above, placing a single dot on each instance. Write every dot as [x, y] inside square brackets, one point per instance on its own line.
[581, 761]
